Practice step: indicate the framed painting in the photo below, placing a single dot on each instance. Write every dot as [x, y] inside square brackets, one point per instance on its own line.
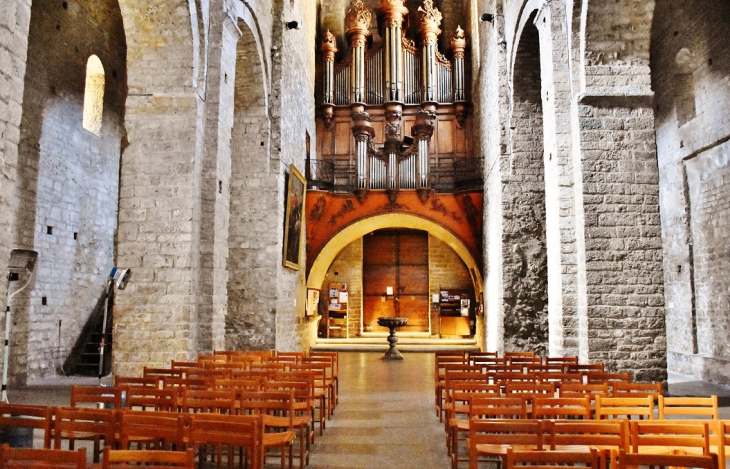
[294, 218]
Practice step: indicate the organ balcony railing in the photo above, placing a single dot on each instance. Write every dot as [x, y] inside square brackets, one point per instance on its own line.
[464, 174]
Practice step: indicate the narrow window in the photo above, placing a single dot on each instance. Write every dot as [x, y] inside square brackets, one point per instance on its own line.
[94, 95]
[684, 85]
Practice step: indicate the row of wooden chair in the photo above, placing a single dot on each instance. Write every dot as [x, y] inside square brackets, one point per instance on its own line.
[266, 420]
[611, 439]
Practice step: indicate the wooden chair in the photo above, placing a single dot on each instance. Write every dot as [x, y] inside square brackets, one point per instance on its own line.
[530, 390]
[27, 416]
[584, 367]
[623, 389]
[624, 407]
[25, 458]
[158, 459]
[138, 381]
[160, 373]
[335, 368]
[82, 423]
[148, 398]
[217, 402]
[277, 409]
[441, 359]
[493, 438]
[607, 436]
[302, 420]
[562, 361]
[688, 407]
[551, 459]
[668, 437]
[559, 378]
[561, 407]
[231, 431]
[519, 354]
[634, 461]
[96, 395]
[584, 389]
[322, 385]
[608, 378]
[158, 430]
[331, 374]
[458, 407]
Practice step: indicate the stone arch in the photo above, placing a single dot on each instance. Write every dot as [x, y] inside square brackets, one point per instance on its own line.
[253, 245]
[68, 177]
[400, 220]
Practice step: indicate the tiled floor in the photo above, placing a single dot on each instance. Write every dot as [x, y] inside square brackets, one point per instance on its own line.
[386, 416]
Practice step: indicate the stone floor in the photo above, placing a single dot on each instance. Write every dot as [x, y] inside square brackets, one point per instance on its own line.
[385, 417]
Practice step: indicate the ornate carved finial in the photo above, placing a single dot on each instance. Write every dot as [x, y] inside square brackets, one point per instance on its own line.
[430, 18]
[329, 46]
[394, 12]
[358, 19]
[458, 43]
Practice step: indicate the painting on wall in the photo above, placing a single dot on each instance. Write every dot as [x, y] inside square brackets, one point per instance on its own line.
[294, 218]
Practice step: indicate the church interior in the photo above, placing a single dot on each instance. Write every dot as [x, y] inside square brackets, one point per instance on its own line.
[515, 175]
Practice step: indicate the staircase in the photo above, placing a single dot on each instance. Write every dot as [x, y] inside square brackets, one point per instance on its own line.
[84, 357]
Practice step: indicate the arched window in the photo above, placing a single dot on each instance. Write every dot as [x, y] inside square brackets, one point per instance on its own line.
[684, 84]
[94, 95]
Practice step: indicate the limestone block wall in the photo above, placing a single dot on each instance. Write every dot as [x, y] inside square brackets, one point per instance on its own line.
[346, 268]
[690, 76]
[155, 318]
[68, 177]
[446, 271]
[623, 257]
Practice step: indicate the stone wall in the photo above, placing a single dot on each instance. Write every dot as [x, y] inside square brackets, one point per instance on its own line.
[446, 271]
[346, 268]
[690, 75]
[524, 251]
[68, 176]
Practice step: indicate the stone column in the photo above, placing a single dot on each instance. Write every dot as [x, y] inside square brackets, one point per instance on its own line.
[329, 49]
[430, 18]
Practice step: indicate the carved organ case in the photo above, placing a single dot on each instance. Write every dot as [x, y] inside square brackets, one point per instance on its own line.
[393, 116]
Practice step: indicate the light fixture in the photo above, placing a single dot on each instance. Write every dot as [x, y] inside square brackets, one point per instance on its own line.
[389, 291]
[292, 24]
[486, 17]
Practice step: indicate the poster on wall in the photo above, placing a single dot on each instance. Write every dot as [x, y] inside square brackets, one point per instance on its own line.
[312, 302]
[294, 218]
[465, 307]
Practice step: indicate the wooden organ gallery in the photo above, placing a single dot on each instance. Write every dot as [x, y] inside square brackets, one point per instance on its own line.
[394, 203]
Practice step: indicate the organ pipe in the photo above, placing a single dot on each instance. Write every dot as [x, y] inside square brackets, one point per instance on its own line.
[358, 29]
[430, 18]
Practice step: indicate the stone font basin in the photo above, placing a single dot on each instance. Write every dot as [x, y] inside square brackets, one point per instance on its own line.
[392, 323]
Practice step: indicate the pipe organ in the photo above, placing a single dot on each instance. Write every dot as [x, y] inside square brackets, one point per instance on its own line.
[387, 78]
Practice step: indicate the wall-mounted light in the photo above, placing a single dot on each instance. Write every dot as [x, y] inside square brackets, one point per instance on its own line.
[486, 18]
[291, 24]
[389, 291]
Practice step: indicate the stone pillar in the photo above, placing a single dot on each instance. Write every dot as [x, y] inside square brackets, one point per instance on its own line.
[358, 30]
[563, 320]
[430, 18]
[214, 185]
[329, 49]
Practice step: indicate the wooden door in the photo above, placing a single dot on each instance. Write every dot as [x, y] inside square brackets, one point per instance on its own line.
[398, 259]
